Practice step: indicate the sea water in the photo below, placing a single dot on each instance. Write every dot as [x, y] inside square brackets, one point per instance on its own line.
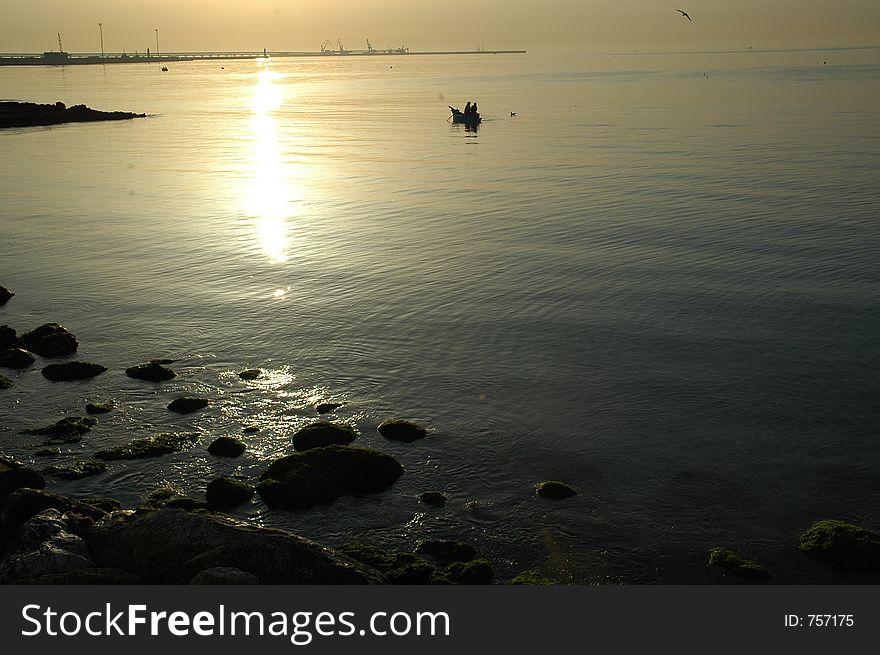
[657, 282]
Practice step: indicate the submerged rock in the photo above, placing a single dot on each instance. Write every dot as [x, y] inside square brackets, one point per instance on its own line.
[15, 358]
[250, 374]
[226, 447]
[446, 552]
[433, 498]
[77, 470]
[531, 577]
[171, 546]
[250, 429]
[323, 433]
[151, 372]
[101, 502]
[162, 444]
[187, 405]
[8, 337]
[228, 492]
[554, 489]
[734, 564]
[401, 430]
[99, 408]
[5, 382]
[5, 295]
[48, 452]
[475, 572]
[70, 429]
[326, 408]
[50, 340]
[398, 566]
[72, 371]
[842, 544]
[321, 475]
[20, 478]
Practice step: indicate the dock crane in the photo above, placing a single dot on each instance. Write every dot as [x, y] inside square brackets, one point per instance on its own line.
[370, 48]
[60, 47]
[341, 48]
[324, 45]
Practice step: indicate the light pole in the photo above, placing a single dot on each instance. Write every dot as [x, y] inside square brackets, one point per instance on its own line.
[157, 43]
[101, 30]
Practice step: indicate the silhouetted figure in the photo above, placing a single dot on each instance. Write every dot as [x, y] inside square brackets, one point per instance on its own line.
[474, 108]
[467, 109]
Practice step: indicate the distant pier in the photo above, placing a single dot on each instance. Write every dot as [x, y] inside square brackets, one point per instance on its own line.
[67, 59]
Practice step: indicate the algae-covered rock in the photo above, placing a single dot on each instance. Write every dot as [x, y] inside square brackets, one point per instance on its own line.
[5, 382]
[734, 564]
[227, 447]
[250, 374]
[399, 567]
[5, 295]
[101, 502]
[15, 358]
[531, 577]
[401, 430]
[77, 470]
[151, 372]
[326, 408]
[70, 371]
[321, 475]
[70, 429]
[842, 544]
[99, 408]
[446, 552]
[433, 498]
[323, 433]
[187, 405]
[228, 492]
[475, 572]
[554, 489]
[162, 444]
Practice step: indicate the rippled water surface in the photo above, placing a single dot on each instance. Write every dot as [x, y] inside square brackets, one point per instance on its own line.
[657, 282]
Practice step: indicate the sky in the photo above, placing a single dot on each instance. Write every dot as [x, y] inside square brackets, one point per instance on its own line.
[597, 25]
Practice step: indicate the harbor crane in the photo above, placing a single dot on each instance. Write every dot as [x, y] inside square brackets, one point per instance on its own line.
[341, 49]
[325, 44]
[60, 47]
[370, 48]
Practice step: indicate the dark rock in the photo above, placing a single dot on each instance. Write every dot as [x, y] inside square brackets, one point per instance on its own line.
[70, 429]
[843, 545]
[228, 492]
[98, 408]
[531, 577]
[326, 408]
[318, 435]
[224, 575]
[554, 489]
[163, 362]
[90, 576]
[20, 478]
[446, 552]
[15, 358]
[151, 372]
[187, 405]
[476, 572]
[28, 339]
[226, 447]
[170, 546]
[162, 444]
[5, 383]
[399, 567]
[107, 504]
[433, 498]
[72, 371]
[21, 504]
[8, 337]
[733, 564]
[191, 505]
[321, 475]
[5, 295]
[48, 452]
[400, 430]
[7, 463]
[250, 374]
[77, 471]
[29, 114]
[250, 429]
[50, 340]
[43, 546]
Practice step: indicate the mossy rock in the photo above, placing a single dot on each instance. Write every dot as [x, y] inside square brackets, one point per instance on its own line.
[401, 430]
[531, 577]
[321, 434]
[842, 544]
[326, 408]
[70, 371]
[554, 489]
[187, 405]
[162, 444]
[250, 374]
[5, 382]
[48, 452]
[101, 502]
[433, 498]
[399, 567]
[734, 564]
[321, 475]
[70, 429]
[15, 358]
[151, 372]
[226, 447]
[77, 470]
[446, 552]
[474, 572]
[228, 492]
[99, 408]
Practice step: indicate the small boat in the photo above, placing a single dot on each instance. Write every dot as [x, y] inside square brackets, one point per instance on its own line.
[164, 69]
[459, 116]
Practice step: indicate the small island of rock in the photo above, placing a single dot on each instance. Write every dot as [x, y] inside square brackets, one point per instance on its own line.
[29, 114]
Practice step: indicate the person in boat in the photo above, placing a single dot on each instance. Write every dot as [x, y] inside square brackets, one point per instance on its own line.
[474, 111]
[467, 109]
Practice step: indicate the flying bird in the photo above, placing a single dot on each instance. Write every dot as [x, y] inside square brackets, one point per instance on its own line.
[685, 14]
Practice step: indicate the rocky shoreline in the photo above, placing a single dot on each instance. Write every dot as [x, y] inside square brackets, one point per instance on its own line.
[30, 114]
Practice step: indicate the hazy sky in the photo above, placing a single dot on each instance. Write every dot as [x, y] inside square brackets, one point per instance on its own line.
[431, 24]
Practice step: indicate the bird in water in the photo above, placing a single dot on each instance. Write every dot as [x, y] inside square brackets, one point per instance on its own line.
[685, 14]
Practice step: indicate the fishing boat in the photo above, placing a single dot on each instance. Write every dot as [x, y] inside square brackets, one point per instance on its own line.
[459, 116]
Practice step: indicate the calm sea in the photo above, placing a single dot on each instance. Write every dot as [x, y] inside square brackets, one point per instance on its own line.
[658, 282]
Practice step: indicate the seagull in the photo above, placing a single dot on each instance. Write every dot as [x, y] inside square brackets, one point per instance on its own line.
[685, 14]
[513, 113]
